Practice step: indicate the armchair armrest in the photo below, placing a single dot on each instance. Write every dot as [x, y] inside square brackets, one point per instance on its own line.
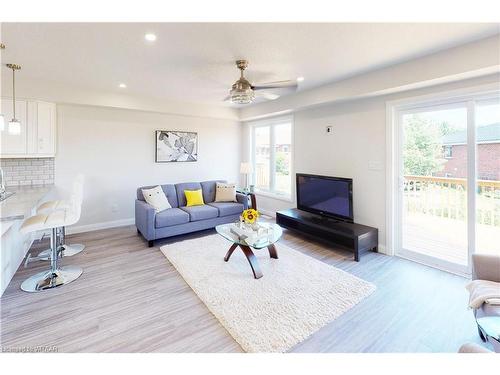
[242, 198]
[486, 267]
[145, 219]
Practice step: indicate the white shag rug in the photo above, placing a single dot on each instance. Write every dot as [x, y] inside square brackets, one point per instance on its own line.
[296, 296]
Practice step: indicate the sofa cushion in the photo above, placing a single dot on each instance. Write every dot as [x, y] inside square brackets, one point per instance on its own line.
[181, 197]
[172, 216]
[225, 192]
[168, 189]
[228, 208]
[194, 198]
[156, 197]
[201, 212]
[209, 188]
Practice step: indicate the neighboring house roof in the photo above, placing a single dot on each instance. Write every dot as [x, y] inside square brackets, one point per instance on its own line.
[484, 134]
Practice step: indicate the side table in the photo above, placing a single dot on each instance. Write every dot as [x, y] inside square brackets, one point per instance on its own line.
[253, 199]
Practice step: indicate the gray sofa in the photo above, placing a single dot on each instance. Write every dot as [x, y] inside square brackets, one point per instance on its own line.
[181, 219]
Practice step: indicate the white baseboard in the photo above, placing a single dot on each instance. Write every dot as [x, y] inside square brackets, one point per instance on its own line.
[382, 249]
[98, 226]
[267, 213]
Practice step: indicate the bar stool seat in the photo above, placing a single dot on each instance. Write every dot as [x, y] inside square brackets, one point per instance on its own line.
[49, 206]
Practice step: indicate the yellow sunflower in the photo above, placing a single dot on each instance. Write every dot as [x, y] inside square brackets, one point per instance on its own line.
[250, 216]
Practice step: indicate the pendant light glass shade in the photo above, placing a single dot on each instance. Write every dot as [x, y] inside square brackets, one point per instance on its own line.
[14, 127]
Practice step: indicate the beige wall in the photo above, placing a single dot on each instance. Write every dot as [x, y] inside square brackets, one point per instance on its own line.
[115, 149]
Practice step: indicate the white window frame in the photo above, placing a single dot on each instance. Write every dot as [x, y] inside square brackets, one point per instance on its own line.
[272, 123]
[394, 110]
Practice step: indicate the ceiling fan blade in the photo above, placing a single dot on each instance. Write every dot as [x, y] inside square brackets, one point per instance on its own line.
[268, 95]
[276, 85]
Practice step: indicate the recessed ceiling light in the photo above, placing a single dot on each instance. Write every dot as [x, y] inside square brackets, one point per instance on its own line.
[150, 37]
[300, 79]
[122, 86]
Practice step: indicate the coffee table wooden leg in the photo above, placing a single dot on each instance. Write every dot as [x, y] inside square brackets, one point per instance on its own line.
[257, 273]
[230, 252]
[272, 251]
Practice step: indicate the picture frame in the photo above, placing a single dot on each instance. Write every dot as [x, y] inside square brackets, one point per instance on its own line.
[176, 146]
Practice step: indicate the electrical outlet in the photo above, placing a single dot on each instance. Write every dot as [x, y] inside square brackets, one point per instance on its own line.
[329, 129]
[114, 207]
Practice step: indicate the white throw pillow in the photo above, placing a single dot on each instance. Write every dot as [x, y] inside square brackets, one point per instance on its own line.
[156, 198]
[225, 192]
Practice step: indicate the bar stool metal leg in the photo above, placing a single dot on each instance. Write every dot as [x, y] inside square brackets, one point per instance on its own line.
[56, 276]
[65, 250]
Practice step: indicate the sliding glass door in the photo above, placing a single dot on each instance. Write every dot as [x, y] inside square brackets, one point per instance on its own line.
[449, 188]
[487, 126]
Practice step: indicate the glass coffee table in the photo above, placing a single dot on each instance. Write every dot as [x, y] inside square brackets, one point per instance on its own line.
[267, 235]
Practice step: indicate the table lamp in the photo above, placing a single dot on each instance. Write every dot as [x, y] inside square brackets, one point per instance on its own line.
[246, 169]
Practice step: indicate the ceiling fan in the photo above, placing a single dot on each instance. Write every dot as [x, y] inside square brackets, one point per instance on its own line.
[243, 92]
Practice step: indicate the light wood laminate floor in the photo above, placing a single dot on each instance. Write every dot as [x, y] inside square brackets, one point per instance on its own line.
[131, 299]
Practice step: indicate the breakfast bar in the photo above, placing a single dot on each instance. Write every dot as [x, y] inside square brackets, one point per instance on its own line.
[13, 210]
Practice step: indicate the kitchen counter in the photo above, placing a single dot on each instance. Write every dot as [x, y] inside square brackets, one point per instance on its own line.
[14, 244]
[25, 198]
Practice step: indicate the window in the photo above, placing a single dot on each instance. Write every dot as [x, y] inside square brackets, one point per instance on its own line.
[448, 152]
[272, 156]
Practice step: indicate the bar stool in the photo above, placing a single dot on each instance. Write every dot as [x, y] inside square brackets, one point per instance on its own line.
[56, 276]
[54, 221]
[57, 205]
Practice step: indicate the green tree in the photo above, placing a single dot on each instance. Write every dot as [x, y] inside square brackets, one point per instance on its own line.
[423, 151]
[282, 163]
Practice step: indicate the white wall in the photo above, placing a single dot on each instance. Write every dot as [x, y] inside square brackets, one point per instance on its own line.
[115, 149]
[358, 138]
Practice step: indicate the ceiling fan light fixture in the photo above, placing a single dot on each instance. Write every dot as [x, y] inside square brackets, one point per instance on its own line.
[242, 96]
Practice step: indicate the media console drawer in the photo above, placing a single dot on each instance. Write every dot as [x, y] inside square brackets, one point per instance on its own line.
[356, 237]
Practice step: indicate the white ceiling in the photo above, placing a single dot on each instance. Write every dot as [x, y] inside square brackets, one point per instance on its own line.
[194, 62]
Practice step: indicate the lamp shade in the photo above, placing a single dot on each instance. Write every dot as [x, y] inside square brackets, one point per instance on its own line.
[246, 168]
[14, 127]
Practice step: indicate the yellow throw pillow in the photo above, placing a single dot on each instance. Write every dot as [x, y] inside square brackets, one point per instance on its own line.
[194, 197]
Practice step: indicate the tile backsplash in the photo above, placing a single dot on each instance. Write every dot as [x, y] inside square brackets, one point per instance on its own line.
[28, 171]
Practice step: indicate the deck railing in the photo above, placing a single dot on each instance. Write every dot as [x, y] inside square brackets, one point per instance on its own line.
[447, 197]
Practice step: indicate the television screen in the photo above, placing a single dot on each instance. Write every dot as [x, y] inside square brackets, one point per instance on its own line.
[330, 196]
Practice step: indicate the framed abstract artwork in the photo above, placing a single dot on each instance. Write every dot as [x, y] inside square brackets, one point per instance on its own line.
[174, 146]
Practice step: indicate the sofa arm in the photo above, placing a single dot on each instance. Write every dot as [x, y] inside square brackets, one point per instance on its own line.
[145, 219]
[486, 267]
[242, 198]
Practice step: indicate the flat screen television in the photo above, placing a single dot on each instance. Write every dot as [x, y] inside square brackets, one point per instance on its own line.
[324, 195]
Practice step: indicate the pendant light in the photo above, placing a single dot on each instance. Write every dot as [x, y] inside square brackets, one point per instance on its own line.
[2, 119]
[14, 124]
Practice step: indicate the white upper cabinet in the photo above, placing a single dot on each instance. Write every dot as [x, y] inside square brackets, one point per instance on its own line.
[38, 129]
[46, 129]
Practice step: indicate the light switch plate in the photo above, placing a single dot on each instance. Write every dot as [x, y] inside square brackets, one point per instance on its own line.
[374, 165]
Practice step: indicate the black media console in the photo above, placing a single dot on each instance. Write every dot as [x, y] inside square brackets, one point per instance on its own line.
[356, 237]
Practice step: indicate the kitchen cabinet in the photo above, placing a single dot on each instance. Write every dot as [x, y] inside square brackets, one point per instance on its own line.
[38, 129]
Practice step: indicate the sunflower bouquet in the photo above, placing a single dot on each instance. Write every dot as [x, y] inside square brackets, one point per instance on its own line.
[250, 216]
